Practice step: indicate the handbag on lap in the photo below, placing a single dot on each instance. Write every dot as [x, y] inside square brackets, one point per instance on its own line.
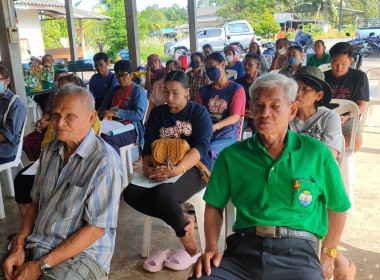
[170, 151]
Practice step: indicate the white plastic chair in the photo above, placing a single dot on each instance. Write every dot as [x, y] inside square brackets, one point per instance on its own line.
[349, 172]
[374, 89]
[125, 153]
[199, 205]
[36, 110]
[231, 73]
[325, 67]
[8, 173]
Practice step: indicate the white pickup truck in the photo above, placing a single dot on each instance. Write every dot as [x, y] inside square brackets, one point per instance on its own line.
[238, 33]
[367, 26]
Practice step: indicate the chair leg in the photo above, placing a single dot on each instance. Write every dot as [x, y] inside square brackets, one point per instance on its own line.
[10, 190]
[2, 211]
[199, 207]
[370, 115]
[129, 162]
[146, 236]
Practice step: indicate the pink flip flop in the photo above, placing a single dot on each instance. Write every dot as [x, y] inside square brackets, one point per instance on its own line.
[156, 261]
[181, 260]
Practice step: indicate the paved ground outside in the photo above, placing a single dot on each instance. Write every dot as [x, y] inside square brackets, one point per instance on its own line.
[360, 240]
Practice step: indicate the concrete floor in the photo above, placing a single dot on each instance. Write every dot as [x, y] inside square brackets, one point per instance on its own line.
[359, 241]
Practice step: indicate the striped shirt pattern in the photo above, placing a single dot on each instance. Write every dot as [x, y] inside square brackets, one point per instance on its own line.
[85, 191]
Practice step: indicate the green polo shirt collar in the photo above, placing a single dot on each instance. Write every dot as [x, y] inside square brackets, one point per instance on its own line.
[293, 143]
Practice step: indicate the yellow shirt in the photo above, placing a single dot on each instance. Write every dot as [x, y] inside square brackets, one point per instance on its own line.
[49, 132]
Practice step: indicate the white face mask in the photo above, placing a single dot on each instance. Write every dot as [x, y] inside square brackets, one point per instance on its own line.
[229, 58]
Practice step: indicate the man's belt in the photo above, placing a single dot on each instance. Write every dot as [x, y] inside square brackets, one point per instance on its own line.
[279, 232]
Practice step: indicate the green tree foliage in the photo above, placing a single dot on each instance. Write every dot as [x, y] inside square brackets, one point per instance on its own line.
[211, 3]
[259, 13]
[115, 30]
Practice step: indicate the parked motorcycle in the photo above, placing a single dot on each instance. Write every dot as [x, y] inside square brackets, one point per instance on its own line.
[306, 43]
[269, 52]
[373, 44]
[360, 49]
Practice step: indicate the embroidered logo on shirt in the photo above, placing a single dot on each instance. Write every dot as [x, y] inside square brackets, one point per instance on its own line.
[217, 105]
[305, 198]
[175, 131]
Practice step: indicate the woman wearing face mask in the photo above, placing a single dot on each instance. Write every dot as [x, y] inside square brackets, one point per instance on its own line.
[12, 118]
[225, 102]
[232, 64]
[321, 56]
[280, 59]
[188, 121]
[157, 97]
[32, 142]
[197, 76]
[255, 48]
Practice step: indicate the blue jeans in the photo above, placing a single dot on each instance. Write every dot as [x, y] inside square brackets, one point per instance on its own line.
[217, 146]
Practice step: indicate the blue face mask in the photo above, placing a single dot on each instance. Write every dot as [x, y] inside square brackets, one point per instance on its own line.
[195, 64]
[213, 73]
[2, 89]
[292, 60]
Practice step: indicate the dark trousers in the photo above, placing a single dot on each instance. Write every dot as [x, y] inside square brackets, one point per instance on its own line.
[23, 185]
[249, 257]
[164, 201]
[120, 140]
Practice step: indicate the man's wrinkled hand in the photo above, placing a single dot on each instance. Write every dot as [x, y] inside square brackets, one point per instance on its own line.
[15, 259]
[29, 271]
[204, 263]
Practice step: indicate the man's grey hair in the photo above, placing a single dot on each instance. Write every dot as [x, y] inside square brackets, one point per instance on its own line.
[74, 90]
[272, 80]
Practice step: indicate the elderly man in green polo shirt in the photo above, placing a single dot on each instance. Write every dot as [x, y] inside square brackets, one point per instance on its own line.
[287, 191]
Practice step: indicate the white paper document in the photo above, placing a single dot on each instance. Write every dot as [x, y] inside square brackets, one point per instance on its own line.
[107, 125]
[141, 180]
[32, 170]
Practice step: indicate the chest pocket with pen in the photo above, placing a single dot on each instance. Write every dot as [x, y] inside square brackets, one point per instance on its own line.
[305, 194]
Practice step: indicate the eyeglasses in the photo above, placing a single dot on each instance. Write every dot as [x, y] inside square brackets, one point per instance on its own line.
[121, 76]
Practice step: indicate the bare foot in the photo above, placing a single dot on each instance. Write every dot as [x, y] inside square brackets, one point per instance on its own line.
[341, 261]
[189, 241]
[138, 163]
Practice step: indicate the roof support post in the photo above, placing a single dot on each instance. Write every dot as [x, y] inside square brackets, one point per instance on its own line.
[132, 33]
[81, 35]
[10, 52]
[71, 29]
[192, 12]
[340, 15]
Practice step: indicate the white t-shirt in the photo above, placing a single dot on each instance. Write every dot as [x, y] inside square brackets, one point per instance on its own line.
[324, 126]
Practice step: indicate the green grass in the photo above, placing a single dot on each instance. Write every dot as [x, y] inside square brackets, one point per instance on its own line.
[152, 45]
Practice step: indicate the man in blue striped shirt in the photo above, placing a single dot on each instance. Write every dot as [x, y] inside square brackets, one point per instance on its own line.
[70, 226]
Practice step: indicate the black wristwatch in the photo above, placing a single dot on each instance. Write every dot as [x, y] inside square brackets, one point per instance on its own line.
[45, 268]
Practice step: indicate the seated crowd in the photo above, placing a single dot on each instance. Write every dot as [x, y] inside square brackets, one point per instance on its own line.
[69, 207]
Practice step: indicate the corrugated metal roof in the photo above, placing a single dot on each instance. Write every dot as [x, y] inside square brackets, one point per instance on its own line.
[51, 3]
[56, 9]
